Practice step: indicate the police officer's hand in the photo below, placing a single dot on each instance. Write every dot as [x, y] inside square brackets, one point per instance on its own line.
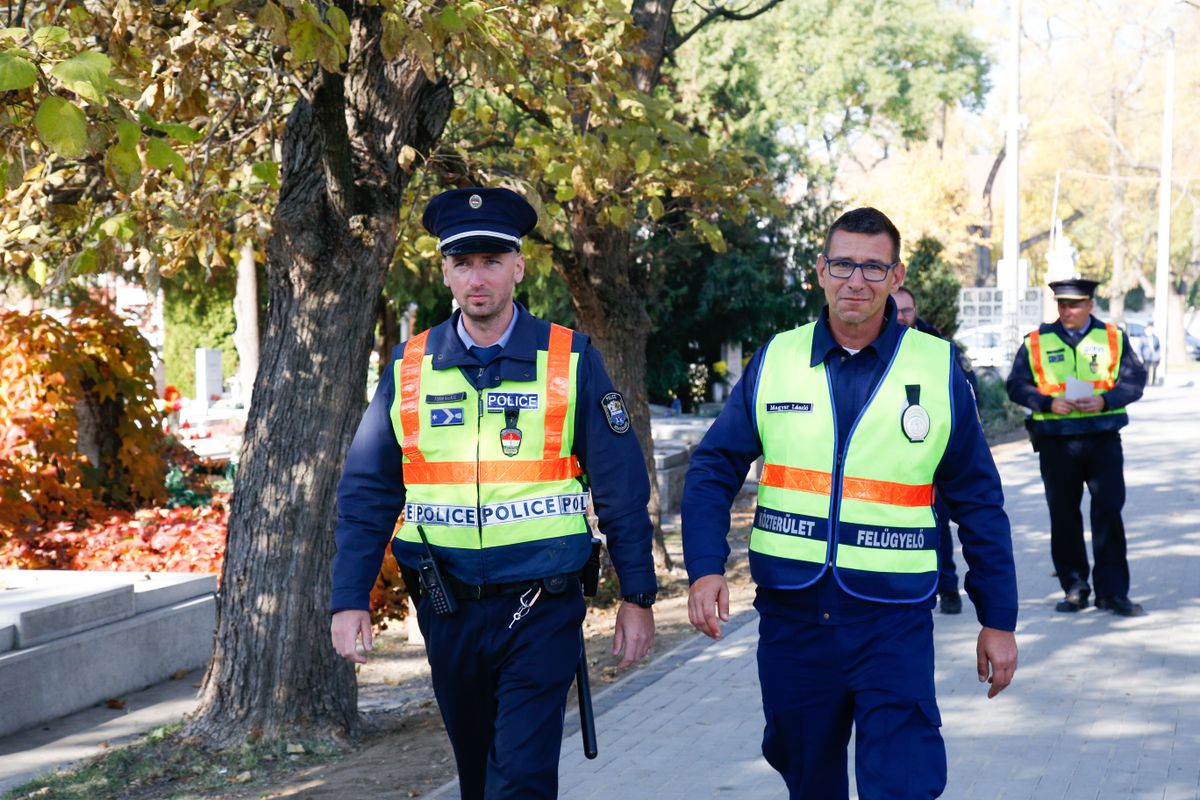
[1090, 405]
[634, 633]
[345, 628]
[1061, 405]
[999, 649]
[708, 601]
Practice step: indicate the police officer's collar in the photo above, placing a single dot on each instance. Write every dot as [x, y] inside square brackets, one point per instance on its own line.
[449, 351]
[1071, 336]
[468, 342]
[884, 345]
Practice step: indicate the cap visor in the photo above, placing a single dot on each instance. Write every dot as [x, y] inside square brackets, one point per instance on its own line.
[479, 244]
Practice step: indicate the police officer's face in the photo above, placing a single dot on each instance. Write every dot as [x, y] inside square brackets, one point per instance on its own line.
[855, 300]
[1074, 313]
[483, 283]
[906, 308]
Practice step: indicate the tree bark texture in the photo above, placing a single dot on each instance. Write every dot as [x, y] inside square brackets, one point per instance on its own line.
[654, 18]
[273, 671]
[610, 310]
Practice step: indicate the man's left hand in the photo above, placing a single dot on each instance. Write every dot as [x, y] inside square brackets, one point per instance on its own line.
[635, 633]
[999, 650]
[1090, 405]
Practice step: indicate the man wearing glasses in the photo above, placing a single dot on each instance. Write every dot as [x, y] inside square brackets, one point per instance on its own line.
[1077, 375]
[859, 420]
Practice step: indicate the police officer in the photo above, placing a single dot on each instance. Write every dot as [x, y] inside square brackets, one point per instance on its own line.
[950, 601]
[858, 420]
[487, 431]
[1077, 375]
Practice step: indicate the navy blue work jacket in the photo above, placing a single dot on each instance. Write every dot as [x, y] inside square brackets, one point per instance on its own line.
[371, 493]
[966, 480]
[1131, 382]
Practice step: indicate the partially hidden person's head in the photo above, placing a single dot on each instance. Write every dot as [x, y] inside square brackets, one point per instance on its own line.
[906, 307]
[479, 232]
[1074, 299]
[860, 267]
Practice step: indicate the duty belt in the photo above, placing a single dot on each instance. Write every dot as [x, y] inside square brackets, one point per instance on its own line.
[553, 584]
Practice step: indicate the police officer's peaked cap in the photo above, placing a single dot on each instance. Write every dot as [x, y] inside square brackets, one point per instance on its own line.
[1074, 289]
[479, 220]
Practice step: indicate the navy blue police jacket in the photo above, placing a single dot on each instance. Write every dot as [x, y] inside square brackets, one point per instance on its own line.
[966, 480]
[1130, 383]
[371, 492]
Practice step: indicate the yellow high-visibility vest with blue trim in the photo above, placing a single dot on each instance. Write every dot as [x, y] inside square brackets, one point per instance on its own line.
[472, 481]
[868, 515]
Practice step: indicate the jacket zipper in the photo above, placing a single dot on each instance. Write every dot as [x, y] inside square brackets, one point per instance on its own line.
[478, 487]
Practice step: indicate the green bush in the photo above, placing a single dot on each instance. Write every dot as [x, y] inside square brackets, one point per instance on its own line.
[998, 414]
[197, 312]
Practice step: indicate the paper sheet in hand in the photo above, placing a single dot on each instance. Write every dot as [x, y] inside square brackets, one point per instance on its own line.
[1077, 389]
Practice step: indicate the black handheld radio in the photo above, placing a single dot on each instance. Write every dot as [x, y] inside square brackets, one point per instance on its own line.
[432, 583]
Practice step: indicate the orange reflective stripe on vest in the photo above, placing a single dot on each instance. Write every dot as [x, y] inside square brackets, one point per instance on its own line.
[1114, 341]
[1035, 354]
[873, 491]
[449, 472]
[410, 394]
[558, 389]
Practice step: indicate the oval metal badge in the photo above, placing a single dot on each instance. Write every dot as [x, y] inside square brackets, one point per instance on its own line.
[915, 423]
[475, 201]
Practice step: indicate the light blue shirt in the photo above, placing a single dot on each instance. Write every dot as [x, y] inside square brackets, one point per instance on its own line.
[468, 342]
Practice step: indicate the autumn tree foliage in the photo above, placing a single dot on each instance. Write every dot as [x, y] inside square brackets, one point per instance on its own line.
[79, 428]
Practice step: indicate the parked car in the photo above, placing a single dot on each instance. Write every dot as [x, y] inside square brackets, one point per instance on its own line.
[1193, 345]
[984, 346]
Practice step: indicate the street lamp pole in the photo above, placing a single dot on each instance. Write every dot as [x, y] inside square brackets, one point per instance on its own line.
[1011, 282]
[1162, 271]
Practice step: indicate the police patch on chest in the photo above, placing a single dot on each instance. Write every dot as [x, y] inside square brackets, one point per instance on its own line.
[614, 411]
[498, 402]
[1056, 356]
[802, 408]
[441, 417]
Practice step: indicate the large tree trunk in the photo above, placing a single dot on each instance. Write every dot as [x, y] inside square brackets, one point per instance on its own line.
[273, 671]
[611, 311]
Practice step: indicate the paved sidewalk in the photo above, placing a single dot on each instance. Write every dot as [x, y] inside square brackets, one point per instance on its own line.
[1101, 707]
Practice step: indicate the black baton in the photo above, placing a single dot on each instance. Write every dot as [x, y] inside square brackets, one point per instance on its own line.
[587, 719]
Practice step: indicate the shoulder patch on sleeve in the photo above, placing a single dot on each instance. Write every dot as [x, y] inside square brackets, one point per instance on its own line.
[614, 411]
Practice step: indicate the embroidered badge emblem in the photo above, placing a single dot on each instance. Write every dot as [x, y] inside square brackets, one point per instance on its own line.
[614, 411]
[510, 441]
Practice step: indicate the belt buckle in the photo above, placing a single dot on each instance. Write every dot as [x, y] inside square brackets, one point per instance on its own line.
[554, 584]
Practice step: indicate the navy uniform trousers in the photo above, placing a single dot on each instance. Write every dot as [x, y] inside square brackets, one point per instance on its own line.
[1069, 463]
[502, 691]
[877, 675]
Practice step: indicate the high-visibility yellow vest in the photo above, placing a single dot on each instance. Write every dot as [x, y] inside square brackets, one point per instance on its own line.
[878, 491]
[1096, 359]
[475, 482]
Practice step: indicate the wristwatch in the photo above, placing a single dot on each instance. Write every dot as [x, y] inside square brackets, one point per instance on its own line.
[643, 599]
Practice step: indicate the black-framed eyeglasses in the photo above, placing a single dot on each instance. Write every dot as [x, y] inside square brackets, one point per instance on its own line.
[872, 271]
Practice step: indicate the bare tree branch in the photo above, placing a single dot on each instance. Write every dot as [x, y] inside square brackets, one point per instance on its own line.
[719, 12]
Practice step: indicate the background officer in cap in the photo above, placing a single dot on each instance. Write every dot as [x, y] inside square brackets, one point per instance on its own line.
[858, 419]
[947, 589]
[487, 432]
[1077, 375]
